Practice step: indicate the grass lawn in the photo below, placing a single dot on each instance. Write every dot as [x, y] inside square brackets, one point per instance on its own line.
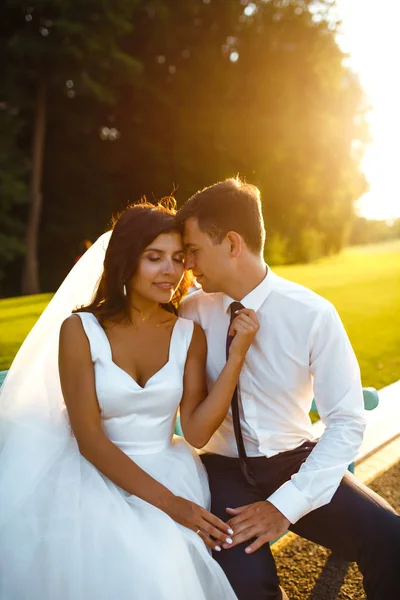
[362, 282]
[17, 317]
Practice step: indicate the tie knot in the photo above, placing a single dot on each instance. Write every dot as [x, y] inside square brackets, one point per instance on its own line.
[235, 306]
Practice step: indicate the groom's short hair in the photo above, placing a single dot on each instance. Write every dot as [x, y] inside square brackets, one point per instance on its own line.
[230, 205]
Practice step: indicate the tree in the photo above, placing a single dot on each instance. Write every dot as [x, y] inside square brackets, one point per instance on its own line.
[286, 115]
[260, 89]
[368, 231]
[13, 192]
[56, 47]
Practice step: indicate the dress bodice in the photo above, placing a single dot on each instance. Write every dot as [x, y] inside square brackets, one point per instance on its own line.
[139, 420]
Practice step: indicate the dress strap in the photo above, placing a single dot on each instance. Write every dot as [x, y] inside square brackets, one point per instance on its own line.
[95, 334]
[180, 341]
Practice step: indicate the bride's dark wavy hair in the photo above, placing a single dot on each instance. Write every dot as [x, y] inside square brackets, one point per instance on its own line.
[132, 231]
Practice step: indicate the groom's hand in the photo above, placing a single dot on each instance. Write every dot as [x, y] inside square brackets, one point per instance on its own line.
[259, 520]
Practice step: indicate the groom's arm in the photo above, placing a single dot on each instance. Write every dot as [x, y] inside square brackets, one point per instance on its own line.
[339, 398]
[338, 394]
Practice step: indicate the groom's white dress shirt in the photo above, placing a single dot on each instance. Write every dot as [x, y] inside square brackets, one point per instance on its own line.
[301, 350]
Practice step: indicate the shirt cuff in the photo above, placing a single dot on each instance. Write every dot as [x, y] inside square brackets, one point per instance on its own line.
[290, 502]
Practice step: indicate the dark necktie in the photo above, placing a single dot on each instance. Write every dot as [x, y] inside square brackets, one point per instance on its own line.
[235, 306]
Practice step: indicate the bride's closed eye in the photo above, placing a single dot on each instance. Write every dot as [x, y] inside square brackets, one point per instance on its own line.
[178, 259]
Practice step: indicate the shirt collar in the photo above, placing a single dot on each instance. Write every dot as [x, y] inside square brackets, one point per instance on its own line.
[254, 299]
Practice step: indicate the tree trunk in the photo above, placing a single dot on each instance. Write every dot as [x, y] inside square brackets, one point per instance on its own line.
[30, 278]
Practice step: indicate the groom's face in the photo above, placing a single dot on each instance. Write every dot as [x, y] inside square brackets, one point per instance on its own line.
[208, 260]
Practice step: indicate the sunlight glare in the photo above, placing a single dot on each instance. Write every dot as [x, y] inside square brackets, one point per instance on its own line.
[370, 34]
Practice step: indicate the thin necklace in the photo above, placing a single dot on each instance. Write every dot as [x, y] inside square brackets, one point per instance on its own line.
[144, 318]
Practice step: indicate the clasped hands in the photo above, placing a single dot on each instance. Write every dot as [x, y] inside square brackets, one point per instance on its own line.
[260, 520]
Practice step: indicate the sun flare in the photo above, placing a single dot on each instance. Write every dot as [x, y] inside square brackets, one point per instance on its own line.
[369, 33]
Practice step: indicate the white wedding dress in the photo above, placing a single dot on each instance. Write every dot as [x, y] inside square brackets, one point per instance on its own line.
[90, 540]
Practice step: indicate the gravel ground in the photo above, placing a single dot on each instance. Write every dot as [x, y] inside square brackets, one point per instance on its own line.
[309, 572]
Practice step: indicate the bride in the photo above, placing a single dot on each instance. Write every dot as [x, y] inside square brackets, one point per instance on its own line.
[98, 499]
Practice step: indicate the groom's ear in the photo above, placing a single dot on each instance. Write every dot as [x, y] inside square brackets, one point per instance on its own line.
[235, 243]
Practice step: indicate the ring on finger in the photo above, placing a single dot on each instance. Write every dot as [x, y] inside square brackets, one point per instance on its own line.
[198, 531]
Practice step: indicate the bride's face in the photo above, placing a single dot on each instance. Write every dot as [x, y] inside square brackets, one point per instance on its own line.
[160, 269]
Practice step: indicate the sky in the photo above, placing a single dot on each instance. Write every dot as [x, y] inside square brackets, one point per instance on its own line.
[370, 33]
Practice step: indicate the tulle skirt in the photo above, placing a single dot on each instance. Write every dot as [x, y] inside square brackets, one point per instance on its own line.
[77, 536]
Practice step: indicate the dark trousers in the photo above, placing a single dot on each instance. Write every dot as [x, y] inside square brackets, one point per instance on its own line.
[357, 525]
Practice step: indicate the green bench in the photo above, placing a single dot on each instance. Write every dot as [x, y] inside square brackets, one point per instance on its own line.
[371, 399]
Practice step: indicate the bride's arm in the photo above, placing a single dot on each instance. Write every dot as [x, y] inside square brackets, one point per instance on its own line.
[201, 413]
[78, 387]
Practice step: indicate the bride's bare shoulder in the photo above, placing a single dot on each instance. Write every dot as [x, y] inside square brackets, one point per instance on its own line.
[198, 345]
[72, 330]
[74, 347]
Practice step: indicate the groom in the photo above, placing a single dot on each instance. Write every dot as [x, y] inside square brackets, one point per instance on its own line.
[266, 472]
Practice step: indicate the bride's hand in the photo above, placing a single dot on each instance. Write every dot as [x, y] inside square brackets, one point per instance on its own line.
[210, 528]
[243, 329]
